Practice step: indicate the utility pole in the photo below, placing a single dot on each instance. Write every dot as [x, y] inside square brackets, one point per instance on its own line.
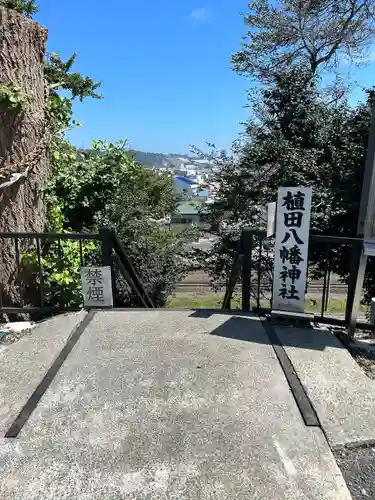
[365, 230]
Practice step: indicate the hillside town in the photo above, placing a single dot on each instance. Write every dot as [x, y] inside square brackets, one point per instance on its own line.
[194, 184]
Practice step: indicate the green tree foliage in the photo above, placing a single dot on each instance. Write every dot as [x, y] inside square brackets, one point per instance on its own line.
[294, 139]
[59, 76]
[159, 255]
[346, 188]
[346, 192]
[110, 188]
[305, 33]
[12, 98]
[60, 265]
[26, 7]
[106, 186]
[87, 184]
[61, 261]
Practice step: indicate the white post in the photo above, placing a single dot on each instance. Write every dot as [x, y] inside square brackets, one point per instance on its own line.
[365, 222]
[372, 316]
[271, 219]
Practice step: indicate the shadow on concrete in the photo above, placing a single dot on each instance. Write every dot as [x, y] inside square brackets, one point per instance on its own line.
[247, 329]
[207, 313]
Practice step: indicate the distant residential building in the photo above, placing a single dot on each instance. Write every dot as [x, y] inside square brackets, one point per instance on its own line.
[177, 162]
[190, 170]
[202, 178]
[187, 214]
[202, 161]
[201, 195]
[185, 187]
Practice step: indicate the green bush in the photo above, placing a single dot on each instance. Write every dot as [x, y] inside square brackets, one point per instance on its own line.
[107, 187]
[57, 274]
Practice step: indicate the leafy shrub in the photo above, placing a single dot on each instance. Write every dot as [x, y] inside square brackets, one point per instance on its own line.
[107, 187]
[57, 274]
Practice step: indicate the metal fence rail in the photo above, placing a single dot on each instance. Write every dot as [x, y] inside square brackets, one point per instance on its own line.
[256, 272]
[22, 267]
[27, 258]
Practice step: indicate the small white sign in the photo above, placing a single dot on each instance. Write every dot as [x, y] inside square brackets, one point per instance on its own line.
[97, 286]
[291, 248]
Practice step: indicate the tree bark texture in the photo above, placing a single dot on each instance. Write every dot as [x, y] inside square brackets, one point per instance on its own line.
[23, 142]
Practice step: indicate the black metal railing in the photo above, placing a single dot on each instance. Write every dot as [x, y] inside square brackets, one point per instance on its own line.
[27, 258]
[117, 253]
[253, 267]
[24, 257]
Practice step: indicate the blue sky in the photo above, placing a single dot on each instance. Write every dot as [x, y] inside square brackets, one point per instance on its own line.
[165, 68]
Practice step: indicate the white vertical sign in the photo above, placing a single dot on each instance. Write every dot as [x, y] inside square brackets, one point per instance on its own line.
[97, 286]
[291, 248]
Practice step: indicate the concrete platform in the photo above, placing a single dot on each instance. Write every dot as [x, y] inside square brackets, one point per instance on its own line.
[23, 364]
[341, 393]
[169, 405]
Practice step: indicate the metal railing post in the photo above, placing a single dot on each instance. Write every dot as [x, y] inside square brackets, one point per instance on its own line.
[352, 280]
[246, 253]
[357, 294]
[105, 234]
[259, 271]
[129, 273]
[326, 270]
[231, 283]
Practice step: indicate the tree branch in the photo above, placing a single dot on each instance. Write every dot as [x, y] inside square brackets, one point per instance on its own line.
[336, 45]
[312, 54]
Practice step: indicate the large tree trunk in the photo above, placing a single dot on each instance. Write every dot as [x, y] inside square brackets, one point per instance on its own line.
[23, 141]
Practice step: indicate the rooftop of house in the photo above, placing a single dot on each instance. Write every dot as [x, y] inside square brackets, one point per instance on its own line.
[185, 179]
[187, 209]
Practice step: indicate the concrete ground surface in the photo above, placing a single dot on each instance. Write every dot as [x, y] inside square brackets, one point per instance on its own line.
[162, 405]
[23, 364]
[358, 468]
[340, 391]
